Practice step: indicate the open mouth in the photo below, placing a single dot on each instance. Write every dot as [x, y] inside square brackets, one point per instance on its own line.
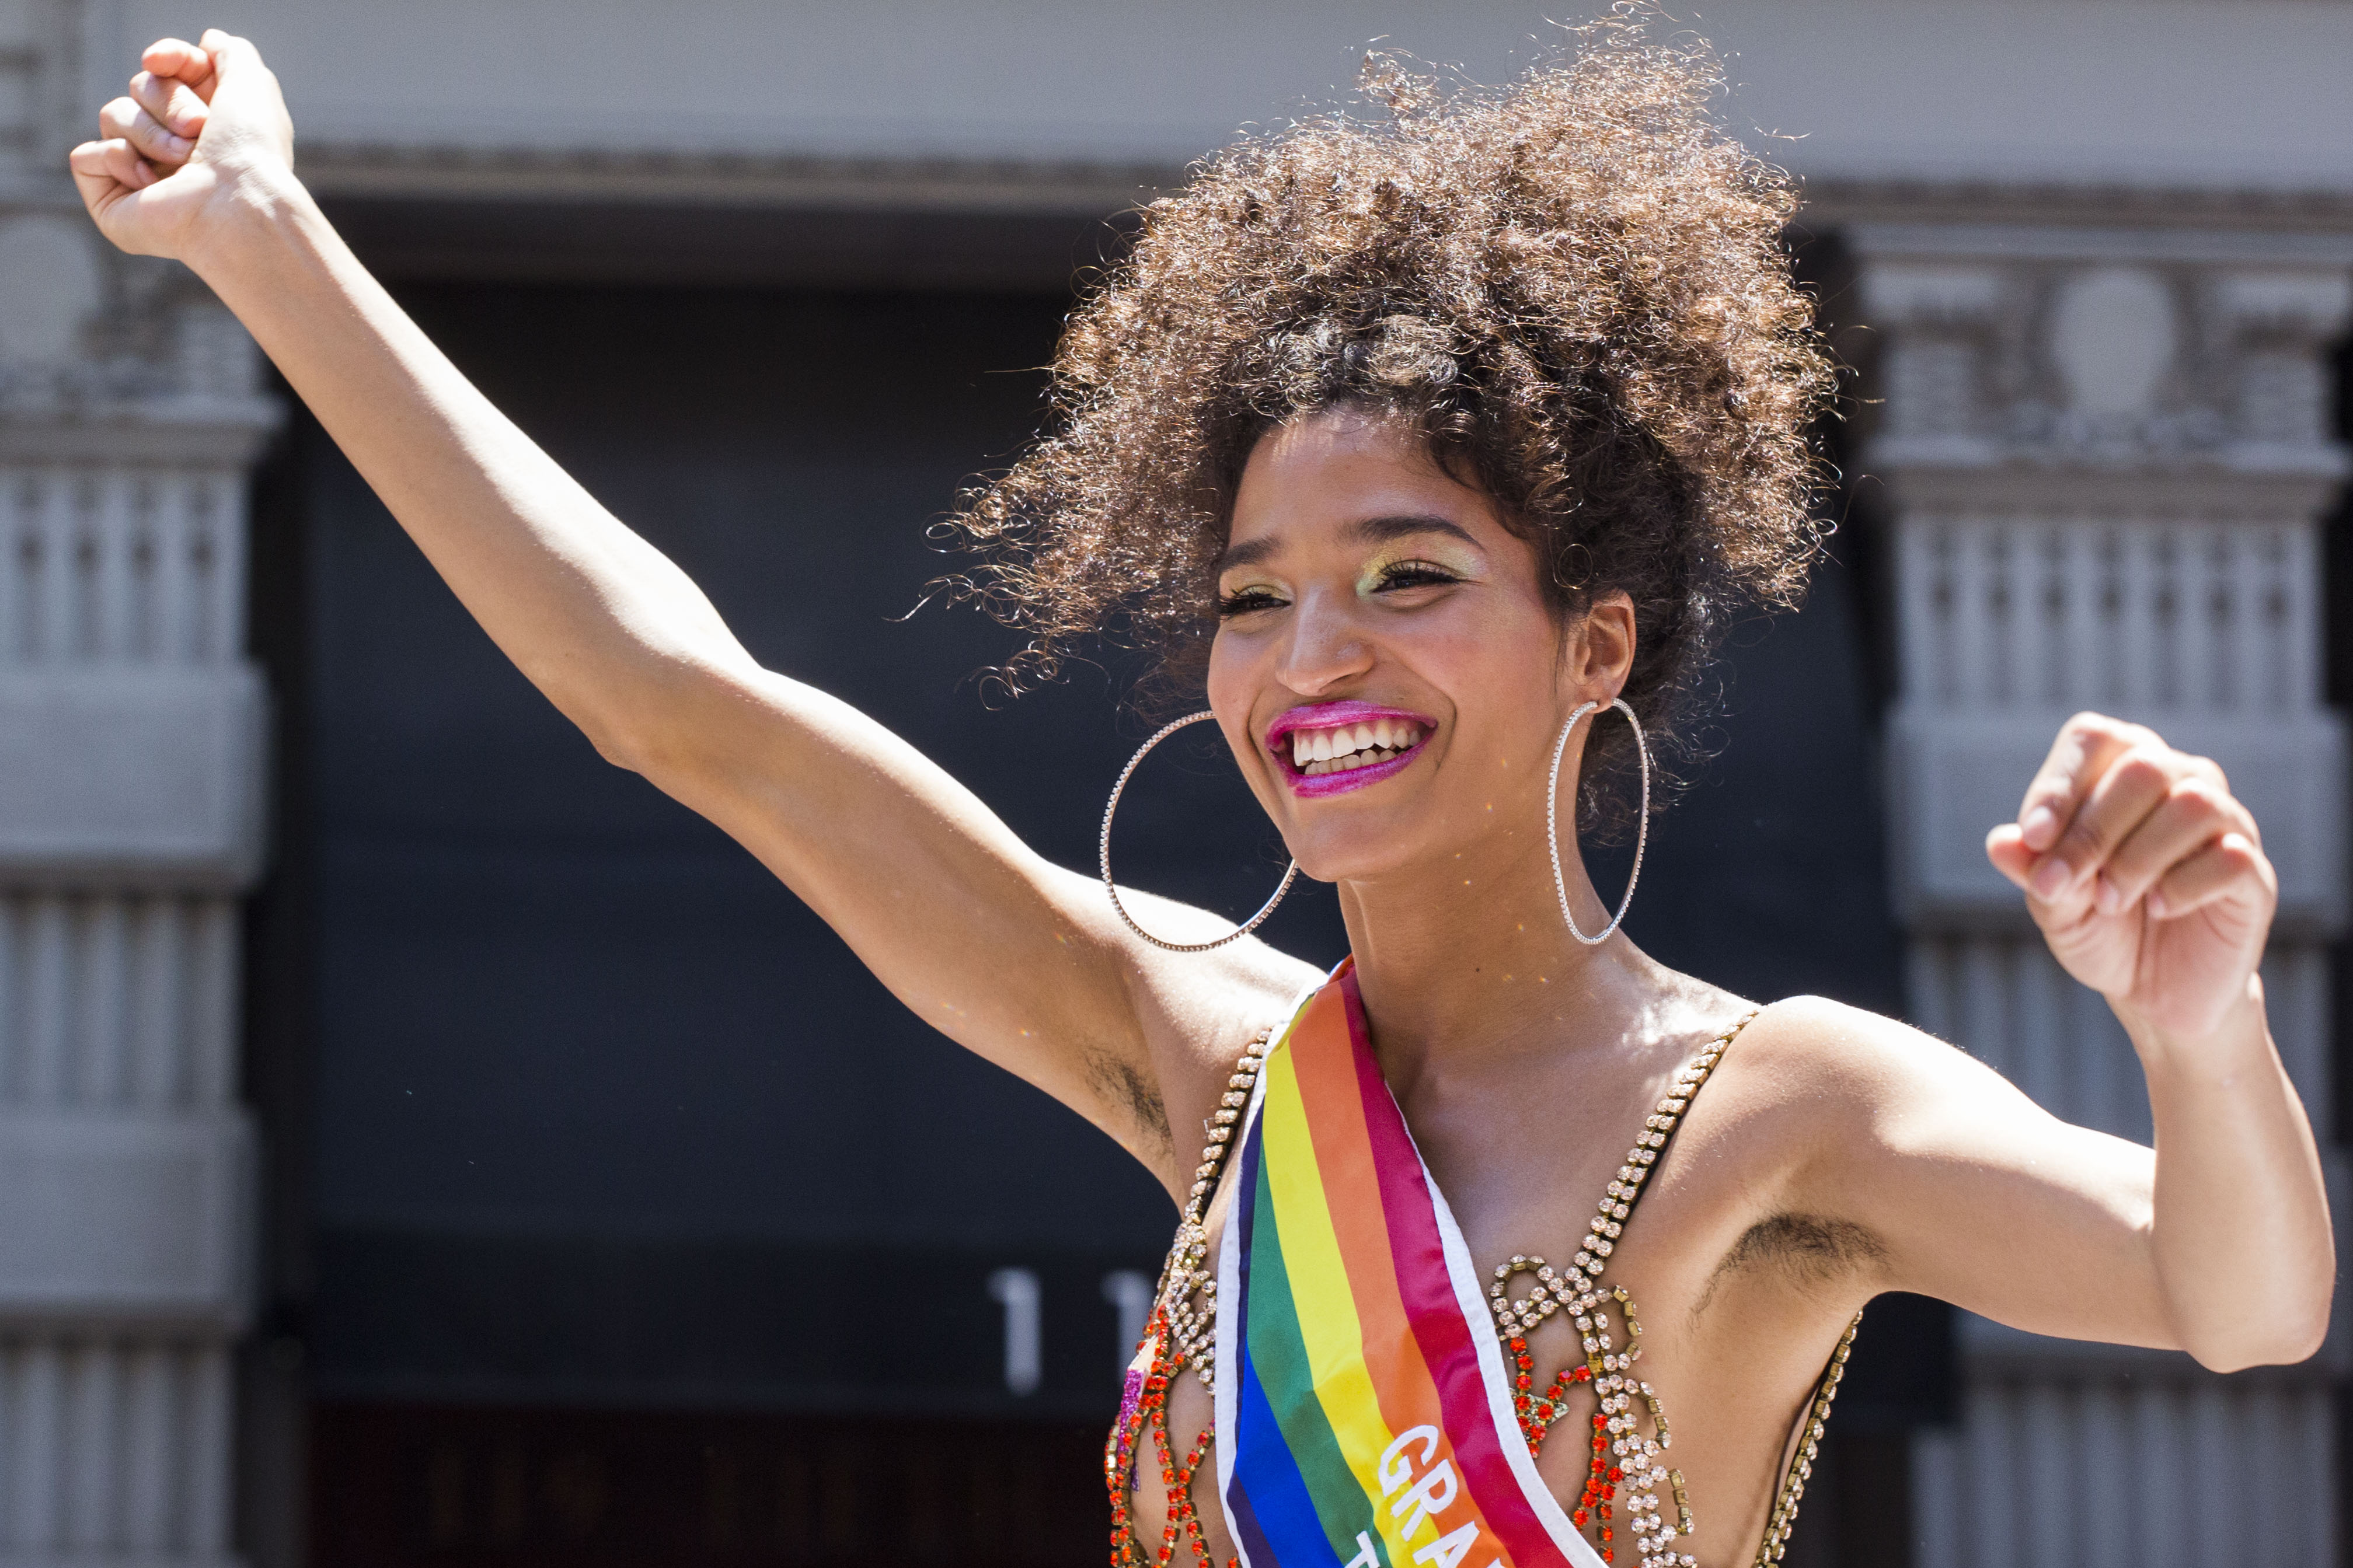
[1332, 746]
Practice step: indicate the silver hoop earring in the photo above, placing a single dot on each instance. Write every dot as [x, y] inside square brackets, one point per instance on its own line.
[1112, 887]
[1552, 822]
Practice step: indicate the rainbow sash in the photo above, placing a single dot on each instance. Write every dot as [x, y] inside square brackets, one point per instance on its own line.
[1363, 1415]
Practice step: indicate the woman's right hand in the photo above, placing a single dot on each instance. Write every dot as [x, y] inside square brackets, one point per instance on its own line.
[202, 128]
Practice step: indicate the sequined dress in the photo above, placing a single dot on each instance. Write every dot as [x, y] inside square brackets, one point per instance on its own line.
[1630, 1485]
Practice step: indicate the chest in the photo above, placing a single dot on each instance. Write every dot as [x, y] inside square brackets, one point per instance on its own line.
[1545, 1223]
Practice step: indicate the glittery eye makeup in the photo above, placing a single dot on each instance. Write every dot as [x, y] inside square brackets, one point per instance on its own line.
[1431, 564]
[1408, 554]
[1245, 595]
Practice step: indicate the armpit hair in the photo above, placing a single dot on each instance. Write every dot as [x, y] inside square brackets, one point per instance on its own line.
[1810, 1249]
[1119, 1082]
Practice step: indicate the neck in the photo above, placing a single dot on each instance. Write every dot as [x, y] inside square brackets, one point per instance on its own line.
[1472, 965]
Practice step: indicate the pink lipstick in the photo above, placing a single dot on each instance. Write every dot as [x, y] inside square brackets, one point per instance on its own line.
[1330, 747]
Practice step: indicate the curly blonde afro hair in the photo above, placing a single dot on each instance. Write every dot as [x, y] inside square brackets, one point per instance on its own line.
[1574, 288]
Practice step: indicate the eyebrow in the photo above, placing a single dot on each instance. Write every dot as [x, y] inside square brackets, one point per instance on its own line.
[1370, 530]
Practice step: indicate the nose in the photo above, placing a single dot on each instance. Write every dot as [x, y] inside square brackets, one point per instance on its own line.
[1326, 647]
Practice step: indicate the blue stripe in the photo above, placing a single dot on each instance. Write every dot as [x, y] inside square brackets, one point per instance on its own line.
[1267, 1501]
[1247, 1530]
[1239, 1512]
[1267, 1483]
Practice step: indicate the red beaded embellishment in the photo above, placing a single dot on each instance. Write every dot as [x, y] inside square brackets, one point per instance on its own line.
[1149, 1416]
[1624, 1471]
[1178, 1336]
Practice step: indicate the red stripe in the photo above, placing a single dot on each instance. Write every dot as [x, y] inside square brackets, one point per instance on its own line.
[1418, 1266]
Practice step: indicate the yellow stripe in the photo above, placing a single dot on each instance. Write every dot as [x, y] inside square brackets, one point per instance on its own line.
[1326, 1306]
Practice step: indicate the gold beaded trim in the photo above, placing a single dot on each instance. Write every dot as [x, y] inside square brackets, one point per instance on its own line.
[1627, 1466]
[1188, 1297]
[1187, 1302]
[1776, 1543]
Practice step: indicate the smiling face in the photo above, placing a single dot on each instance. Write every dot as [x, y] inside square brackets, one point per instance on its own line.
[1387, 667]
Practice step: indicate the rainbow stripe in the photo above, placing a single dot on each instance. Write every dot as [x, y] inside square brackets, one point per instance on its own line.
[1364, 1415]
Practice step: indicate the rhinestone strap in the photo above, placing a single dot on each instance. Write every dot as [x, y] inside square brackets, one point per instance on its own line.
[1625, 1472]
[1626, 1467]
[1811, 1420]
[1182, 1329]
[1188, 1297]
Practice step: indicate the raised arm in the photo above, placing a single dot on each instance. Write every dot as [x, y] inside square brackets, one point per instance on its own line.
[1015, 957]
[2149, 882]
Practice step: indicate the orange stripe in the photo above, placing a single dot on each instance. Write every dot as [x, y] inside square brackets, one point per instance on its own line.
[1327, 1081]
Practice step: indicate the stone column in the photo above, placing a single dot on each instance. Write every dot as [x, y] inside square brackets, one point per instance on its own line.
[130, 746]
[2108, 452]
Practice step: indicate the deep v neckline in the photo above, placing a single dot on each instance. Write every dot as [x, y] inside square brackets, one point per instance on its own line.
[1626, 1472]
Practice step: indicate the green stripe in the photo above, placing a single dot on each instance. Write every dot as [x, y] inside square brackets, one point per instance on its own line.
[1278, 1355]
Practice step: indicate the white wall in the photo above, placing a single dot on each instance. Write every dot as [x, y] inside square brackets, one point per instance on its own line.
[2226, 93]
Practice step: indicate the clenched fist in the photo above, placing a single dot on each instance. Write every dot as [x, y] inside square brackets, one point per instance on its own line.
[202, 128]
[2145, 874]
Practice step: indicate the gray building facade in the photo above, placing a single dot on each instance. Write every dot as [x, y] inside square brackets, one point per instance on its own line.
[422, 1143]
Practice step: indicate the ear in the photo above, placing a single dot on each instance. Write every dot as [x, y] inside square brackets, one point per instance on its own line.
[1601, 648]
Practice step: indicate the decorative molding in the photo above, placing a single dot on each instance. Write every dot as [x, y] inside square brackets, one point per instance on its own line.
[171, 437]
[480, 174]
[2124, 352]
[1934, 477]
[1837, 203]
[2002, 998]
[2106, 433]
[2188, 243]
[130, 786]
[116, 1451]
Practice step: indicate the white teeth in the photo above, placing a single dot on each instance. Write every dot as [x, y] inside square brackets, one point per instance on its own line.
[1346, 746]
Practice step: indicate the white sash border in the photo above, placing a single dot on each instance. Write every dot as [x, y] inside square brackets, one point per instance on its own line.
[1496, 1379]
[1461, 1274]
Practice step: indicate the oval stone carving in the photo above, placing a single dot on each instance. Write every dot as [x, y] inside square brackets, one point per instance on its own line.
[2113, 338]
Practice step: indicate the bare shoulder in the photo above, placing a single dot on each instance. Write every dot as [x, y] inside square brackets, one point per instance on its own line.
[1812, 1047]
[1845, 1095]
[1809, 1077]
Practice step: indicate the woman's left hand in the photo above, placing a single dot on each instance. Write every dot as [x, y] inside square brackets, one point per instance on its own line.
[2146, 875]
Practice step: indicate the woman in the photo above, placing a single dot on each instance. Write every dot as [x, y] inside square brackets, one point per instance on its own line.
[1429, 448]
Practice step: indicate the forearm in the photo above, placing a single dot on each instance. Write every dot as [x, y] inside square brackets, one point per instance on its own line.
[598, 619]
[2240, 1236]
